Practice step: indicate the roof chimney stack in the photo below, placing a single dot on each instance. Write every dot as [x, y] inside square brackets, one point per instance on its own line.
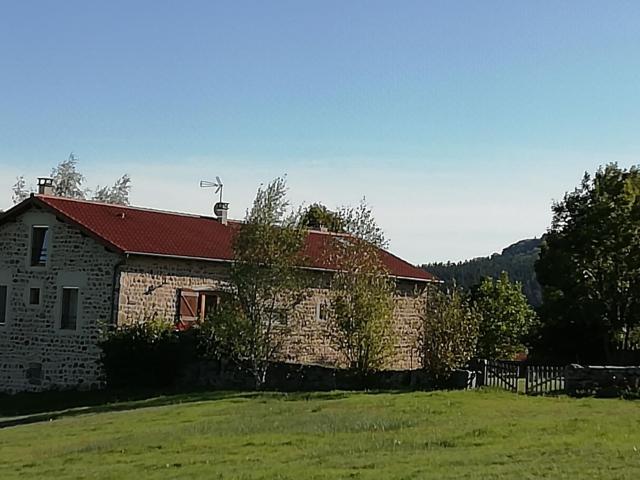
[220, 210]
[45, 186]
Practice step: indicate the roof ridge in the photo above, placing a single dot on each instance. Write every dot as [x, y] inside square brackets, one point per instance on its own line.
[127, 207]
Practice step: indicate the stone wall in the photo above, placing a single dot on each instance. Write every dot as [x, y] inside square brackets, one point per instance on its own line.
[149, 289]
[148, 286]
[35, 354]
[606, 381]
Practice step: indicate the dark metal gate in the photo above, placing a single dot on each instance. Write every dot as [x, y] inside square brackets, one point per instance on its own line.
[501, 374]
[544, 379]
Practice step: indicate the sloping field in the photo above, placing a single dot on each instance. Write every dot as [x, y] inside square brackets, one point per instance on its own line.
[441, 435]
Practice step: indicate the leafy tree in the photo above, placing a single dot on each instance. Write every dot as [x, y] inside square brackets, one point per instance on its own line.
[267, 283]
[449, 331]
[67, 181]
[362, 293]
[318, 217]
[117, 194]
[20, 191]
[590, 267]
[359, 222]
[506, 317]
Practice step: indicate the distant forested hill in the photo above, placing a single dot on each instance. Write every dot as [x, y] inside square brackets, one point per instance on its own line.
[517, 260]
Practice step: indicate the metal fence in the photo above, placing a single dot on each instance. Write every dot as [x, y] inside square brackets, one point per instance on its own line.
[544, 379]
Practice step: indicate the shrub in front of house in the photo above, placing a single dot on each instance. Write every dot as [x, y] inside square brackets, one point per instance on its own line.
[449, 334]
[148, 354]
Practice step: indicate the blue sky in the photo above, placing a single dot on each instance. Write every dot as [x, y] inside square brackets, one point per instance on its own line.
[459, 121]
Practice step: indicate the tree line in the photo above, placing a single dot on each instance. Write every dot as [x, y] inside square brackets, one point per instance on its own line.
[518, 260]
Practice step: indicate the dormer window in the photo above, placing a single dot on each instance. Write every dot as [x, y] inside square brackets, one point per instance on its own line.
[39, 246]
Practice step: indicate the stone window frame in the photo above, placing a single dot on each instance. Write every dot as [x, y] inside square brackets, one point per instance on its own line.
[77, 280]
[45, 246]
[320, 303]
[64, 290]
[34, 220]
[27, 295]
[6, 278]
[4, 311]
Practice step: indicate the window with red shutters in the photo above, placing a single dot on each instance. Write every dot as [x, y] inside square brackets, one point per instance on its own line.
[187, 305]
[194, 305]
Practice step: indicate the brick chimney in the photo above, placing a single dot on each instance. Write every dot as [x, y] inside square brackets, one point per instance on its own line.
[45, 186]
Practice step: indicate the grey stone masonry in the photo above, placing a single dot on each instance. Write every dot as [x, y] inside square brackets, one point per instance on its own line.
[35, 353]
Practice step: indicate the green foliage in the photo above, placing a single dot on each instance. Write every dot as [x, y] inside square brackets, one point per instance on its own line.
[150, 353]
[362, 303]
[517, 260]
[449, 332]
[506, 317]
[19, 189]
[359, 222]
[319, 217]
[118, 194]
[267, 283]
[590, 267]
[67, 180]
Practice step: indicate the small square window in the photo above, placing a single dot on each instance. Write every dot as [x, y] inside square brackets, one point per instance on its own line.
[39, 246]
[69, 313]
[4, 303]
[34, 296]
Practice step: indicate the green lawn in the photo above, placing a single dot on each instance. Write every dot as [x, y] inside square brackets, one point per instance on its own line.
[440, 435]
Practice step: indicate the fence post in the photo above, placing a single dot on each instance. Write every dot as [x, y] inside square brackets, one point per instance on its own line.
[483, 363]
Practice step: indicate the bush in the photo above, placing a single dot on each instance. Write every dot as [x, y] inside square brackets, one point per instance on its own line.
[449, 333]
[506, 318]
[146, 354]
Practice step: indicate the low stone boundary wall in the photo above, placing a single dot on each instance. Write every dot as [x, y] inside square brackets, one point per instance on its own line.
[290, 377]
[603, 381]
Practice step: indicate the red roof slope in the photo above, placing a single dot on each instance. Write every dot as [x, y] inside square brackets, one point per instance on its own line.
[152, 232]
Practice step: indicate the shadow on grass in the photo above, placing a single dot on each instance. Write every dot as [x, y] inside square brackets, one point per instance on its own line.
[26, 408]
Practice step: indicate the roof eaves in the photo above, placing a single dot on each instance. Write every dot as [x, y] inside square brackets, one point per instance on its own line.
[16, 209]
[181, 257]
[226, 260]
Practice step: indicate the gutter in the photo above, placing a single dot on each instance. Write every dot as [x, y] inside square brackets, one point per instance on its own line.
[223, 260]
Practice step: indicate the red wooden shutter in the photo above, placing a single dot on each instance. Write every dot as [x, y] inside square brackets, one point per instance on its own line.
[187, 305]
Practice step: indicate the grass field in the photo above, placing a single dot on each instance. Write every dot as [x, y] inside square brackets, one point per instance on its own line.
[440, 435]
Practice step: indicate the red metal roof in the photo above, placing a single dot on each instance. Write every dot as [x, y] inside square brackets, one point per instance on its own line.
[136, 230]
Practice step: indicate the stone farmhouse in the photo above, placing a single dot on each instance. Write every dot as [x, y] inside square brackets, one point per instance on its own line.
[70, 267]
